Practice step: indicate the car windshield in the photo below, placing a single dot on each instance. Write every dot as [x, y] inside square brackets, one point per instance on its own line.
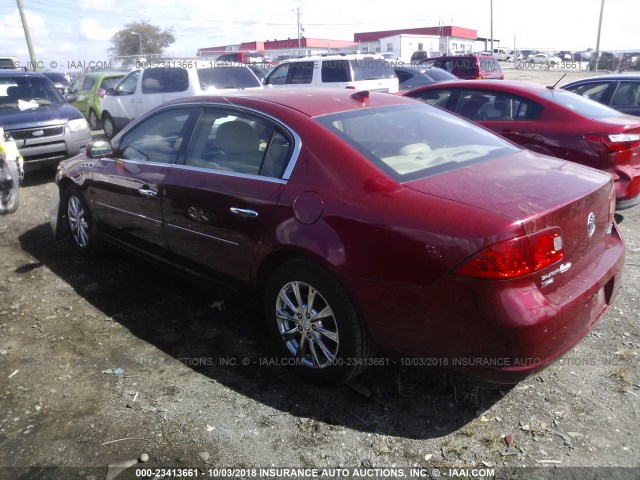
[27, 92]
[227, 77]
[579, 104]
[56, 77]
[415, 141]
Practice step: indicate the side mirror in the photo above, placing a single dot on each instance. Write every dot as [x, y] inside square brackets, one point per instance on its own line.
[71, 97]
[99, 149]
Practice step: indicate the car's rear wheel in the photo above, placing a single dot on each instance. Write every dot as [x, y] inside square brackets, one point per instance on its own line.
[80, 223]
[108, 125]
[314, 324]
[94, 124]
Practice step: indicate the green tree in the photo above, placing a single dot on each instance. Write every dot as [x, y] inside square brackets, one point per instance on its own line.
[141, 38]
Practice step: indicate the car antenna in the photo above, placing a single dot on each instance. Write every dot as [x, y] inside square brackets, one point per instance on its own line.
[551, 87]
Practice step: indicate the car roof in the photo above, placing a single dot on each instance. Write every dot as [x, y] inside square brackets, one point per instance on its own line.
[20, 73]
[312, 102]
[613, 76]
[498, 85]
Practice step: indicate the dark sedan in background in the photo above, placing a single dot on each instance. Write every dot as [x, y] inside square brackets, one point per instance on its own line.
[410, 77]
[360, 219]
[550, 121]
[621, 92]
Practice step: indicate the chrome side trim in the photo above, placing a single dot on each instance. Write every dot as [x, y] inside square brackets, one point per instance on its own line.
[137, 215]
[211, 237]
[228, 173]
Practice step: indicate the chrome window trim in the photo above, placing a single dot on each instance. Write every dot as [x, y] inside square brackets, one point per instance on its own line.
[228, 173]
[137, 215]
[212, 237]
[297, 147]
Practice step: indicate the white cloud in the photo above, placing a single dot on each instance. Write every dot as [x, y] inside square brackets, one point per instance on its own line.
[92, 29]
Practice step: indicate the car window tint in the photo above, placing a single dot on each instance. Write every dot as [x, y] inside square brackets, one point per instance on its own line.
[129, 84]
[76, 85]
[415, 141]
[591, 90]
[370, 69]
[627, 95]
[334, 71]
[157, 139]
[89, 83]
[300, 73]
[165, 80]
[232, 141]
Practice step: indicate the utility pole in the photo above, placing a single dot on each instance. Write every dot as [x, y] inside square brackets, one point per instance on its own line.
[27, 35]
[299, 35]
[492, 27]
[597, 53]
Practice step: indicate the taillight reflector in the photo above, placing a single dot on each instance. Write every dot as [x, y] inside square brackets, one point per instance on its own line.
[516, 257]
[614, 143]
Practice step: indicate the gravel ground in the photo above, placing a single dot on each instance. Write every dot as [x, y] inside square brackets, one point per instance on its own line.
[185, 397]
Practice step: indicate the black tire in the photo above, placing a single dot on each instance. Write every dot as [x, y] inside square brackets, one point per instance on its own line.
[331, 349]
[79, 222]
[94, 123]
[108, 125]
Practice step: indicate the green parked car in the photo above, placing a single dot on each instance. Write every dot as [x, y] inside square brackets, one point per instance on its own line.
[86, 92]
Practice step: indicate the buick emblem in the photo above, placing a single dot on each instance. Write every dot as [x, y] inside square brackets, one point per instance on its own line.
[37, 133]
[591, 224]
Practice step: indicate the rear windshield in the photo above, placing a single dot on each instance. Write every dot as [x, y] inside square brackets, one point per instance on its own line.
[227, 77]
[372, 69]
[56, 77]
[438, 75]
[415, 141]
[26, 93]
[581, 105]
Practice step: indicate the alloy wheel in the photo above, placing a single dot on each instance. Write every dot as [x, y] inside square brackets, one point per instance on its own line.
[78, 222]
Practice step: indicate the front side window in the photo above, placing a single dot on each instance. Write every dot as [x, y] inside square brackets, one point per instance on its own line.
[77, 85]
[128, 84]
[301, 73]
[157, 139]
[235, 141]
[279, 75]
[415, 141]
[591, 90]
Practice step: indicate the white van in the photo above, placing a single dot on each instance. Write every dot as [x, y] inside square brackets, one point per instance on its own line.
[366, 72]
[502, 55]
[146, 88]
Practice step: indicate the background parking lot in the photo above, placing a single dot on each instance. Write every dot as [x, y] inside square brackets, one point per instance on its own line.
[105, 360]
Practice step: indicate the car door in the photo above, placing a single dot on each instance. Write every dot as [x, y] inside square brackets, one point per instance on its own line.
[125, 189]
[122, 104]
[77, 88]
[219, 204]
[159, 85]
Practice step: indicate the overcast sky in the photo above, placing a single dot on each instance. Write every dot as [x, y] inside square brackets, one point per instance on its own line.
[64, 30]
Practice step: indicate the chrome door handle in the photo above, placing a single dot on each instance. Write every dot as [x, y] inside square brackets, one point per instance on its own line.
[147, 192]
[243, 212]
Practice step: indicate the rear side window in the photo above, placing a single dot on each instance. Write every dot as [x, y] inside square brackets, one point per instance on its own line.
[334, 71]
[485, 105]
[89, 83]
[165, 80]
[227, 77]
[372, 69]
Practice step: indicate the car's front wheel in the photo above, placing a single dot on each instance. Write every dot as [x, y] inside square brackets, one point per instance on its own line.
[80, 223]
[314, 324]
[108, 125]
[94, 124]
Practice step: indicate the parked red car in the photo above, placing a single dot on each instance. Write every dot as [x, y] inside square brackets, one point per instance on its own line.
[361, 220]
[468, 67]
[550, 121]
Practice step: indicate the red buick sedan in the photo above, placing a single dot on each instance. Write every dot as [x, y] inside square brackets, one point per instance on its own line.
[361, 220]
[550, 121]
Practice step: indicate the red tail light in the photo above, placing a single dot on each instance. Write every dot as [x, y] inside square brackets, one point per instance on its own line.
[101, 92]
[516, 257]
[616, 143]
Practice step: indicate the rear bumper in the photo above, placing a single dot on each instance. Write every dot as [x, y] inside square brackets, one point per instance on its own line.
[627, 185]
[499, 331]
